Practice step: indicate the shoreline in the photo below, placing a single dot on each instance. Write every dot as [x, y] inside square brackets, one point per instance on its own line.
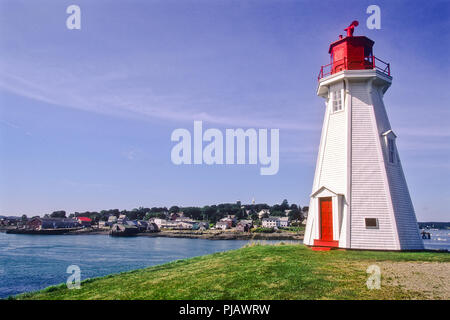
[208, 235]
[224, 235]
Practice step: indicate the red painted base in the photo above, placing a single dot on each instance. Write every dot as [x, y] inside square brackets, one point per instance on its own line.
[320, 248]
[326, 243]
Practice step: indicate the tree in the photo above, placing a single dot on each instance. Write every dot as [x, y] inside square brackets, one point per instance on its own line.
[294, 214]
[58, 214]
[24, 217]
[192, 212]
[284, 205]
[174, 209]
[305, 212]
[209, 213]
[278, 213]
[240, 214]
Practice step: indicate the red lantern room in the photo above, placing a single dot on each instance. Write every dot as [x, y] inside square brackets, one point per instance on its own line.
[352, 53]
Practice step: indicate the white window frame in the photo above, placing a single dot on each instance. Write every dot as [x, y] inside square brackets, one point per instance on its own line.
[337, 101]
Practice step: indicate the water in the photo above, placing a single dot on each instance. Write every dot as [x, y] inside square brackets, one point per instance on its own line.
[33, 262]
[440, 239]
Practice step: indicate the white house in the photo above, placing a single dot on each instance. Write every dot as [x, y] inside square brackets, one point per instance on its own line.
[275, 222]
[112, 219]
[359, 199]
[283, 222]
[159, 222]
[271, 222]
[223, 225]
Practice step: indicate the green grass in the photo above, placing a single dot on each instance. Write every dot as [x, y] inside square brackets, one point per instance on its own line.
[253, 272]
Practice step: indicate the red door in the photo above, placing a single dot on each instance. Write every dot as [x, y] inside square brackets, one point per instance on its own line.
[326, 219]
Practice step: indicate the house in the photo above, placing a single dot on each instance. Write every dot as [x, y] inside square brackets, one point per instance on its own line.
[119, 229]
[11, 220]
[159, 222]
[173, 224]
[283, 222]
[142, 225]
[263, 212]
[168, 224]
[174, 216]
[122, 218]
[51, 223]
[131, 223]
[223, 225]
[139, 224]
[103, 224]
[231, 219]
[185, 225]
[84, 221]
[182, 218]
[228, 221]
[275, 222]
[152, 227]
[244, 225]
[112, 219]
[200, 225]
[271, 222]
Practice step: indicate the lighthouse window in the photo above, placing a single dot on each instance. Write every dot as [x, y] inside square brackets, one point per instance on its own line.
[371, 223]
[337, 101]
[391, 151]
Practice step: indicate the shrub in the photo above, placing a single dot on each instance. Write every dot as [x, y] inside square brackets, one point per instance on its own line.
[263, 230]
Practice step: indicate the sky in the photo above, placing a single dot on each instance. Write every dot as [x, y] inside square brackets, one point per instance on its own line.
[86, 115]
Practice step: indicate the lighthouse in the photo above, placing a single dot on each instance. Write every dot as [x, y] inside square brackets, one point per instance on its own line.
[359, 199]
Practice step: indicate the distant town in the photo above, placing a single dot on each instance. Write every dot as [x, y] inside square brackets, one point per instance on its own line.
[231, 217]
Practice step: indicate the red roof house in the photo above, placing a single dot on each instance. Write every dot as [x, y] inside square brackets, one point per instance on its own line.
[85, 221]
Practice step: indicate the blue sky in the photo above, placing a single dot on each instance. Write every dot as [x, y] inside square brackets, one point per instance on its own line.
[86, 115]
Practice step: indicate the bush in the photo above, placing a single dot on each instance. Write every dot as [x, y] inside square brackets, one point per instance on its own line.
[263, 230]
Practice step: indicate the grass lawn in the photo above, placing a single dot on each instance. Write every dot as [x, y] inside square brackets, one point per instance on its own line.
[271, 272]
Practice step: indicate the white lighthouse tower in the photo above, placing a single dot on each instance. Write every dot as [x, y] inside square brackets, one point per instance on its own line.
[360, 199]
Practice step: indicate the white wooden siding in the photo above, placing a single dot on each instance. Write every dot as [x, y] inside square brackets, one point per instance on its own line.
[334, 160]
[369, 198]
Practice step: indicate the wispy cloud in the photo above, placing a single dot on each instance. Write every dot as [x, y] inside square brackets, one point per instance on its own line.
[15, 126]
[100, 94]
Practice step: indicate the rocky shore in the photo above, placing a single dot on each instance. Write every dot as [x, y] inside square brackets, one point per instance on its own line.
[208, 234]
[225, 235]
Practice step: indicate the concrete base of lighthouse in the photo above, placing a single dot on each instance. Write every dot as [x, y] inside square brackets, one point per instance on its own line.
[360, 198]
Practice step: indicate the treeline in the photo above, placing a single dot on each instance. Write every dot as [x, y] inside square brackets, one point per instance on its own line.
[434, 225]
[211, 213]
